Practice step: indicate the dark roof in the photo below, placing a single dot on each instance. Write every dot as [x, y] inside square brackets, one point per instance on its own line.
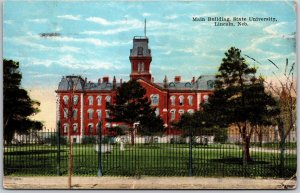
[204, 82]
[67, 82]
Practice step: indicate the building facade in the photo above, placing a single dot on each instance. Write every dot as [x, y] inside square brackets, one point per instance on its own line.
[81, 104]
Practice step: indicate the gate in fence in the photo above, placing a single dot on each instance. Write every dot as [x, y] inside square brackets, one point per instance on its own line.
[46, 153]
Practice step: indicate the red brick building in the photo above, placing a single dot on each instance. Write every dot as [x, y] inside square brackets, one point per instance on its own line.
[88, 100]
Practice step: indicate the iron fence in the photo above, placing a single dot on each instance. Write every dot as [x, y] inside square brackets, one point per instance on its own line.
[207, 154]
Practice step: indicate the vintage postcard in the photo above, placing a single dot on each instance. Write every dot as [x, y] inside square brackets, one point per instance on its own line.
[147, 94]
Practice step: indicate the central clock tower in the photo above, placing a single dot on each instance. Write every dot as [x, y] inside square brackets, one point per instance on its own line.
[140, 58]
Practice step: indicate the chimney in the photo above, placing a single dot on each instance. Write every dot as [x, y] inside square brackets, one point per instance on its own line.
[105, 79]
[121, 81]
[99, 81]
[152, 79]
[177, 78]
[166, 82]
[114, 83]
[85, 80]
[193, 80]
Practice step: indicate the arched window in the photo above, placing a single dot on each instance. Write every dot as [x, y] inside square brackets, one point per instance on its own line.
[205, 98]
[90, 127]
[181, 112]
[172, 114]
[107, 125]
[65, 128]
[66, 99]
[75, 128]
[157, 111]
[190, 98]
[75, 100]
[90, 98]
[107, 98]
[181, 99]
[107, 114]
[99, 100]
[75, 112]
[190, 111]
[154, 99]
[140, 50]
[99, 114]
[65, 113]
[90, 113]
[172, 98]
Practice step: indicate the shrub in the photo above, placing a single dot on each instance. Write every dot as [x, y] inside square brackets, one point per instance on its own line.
[89, 140]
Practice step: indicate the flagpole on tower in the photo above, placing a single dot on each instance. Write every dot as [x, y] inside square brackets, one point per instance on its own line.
[145, 28]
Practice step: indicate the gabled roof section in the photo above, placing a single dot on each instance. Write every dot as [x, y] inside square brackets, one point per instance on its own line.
[68, 82]
[102, 86]
[205, 82]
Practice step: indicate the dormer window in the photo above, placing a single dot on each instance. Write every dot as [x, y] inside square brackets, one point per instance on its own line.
[140, 50]
[210, 84]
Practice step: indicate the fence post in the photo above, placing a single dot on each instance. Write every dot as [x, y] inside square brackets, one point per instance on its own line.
[58, 148]
[190, 154]
[99, 148]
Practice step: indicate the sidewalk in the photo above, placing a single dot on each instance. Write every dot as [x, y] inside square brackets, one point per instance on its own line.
[146, 183]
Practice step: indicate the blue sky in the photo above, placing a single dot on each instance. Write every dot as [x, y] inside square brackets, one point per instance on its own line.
[95, 39]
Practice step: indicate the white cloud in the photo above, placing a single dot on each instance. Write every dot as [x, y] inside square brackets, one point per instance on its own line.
[273, 29]
[29, 42]
[8, 22]
[171, 17]
[98, 20]
[69, 17]
[38, 20]
[146, 14]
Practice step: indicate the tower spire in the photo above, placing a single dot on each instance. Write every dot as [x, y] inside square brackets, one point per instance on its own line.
[145, 28]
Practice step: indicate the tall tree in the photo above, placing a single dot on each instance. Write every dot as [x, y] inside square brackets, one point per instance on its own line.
[240, 99]
[285, 91]
[17, 105]
[132, 106]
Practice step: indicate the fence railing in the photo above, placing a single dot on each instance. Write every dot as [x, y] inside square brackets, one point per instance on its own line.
[207, 154]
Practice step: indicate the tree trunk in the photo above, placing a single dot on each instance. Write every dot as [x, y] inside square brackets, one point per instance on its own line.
[246, 152]
[260, 138]
[282, 148]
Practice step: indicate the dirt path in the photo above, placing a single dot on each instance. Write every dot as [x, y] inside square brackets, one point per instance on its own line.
[146, 183]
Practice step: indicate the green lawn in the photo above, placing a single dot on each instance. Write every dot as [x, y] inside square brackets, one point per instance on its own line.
[157, 160]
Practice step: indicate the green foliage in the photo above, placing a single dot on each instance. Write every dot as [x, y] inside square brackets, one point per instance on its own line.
[88, 140]
[221, 135]
[133, 106]
[52, 140]
[240, 98]
[18, 106]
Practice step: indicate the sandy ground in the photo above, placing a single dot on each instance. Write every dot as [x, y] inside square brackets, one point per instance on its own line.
[146, 183]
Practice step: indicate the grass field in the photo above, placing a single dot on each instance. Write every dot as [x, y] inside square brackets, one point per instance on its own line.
[141, 159]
